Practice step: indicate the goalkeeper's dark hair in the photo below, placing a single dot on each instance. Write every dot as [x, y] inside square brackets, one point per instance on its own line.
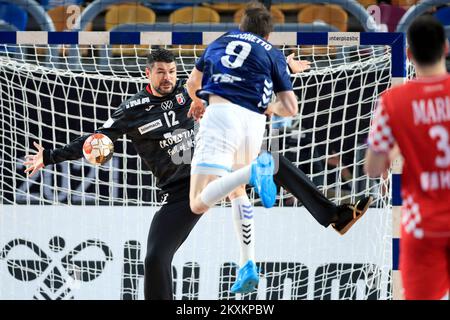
[159, 55]
[426, 40]
[257, 19]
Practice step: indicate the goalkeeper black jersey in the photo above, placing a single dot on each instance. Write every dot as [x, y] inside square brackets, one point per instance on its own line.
[159, 129]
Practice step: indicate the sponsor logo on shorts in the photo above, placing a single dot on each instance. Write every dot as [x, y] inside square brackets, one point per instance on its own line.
[164, 199]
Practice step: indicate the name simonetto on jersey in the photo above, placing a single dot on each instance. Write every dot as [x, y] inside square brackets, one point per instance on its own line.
[416, 116]
[244, 69]
[159, 129]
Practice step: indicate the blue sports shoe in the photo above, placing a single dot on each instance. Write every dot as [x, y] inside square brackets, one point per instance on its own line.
[262, 179]
[247, 278]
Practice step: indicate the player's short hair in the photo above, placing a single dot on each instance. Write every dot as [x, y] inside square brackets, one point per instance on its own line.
[159, 55]
[257, 19]
[426, 40]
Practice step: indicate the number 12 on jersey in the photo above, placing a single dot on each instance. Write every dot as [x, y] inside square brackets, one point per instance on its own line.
[172, 121]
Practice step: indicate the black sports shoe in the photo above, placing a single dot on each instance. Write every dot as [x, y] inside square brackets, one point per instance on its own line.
[350, 214]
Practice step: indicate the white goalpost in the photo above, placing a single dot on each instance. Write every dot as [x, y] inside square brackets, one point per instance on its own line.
[75, 231]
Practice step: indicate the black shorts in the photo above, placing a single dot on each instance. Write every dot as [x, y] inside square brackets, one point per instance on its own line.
[175, 192]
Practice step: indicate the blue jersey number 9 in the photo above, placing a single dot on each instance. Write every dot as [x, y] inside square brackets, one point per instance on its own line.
[239, 56]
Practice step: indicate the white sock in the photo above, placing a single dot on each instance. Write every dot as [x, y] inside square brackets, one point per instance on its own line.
[220, 188]
[242, 211]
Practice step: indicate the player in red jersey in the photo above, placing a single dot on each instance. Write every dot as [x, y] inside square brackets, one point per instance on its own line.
[416, 117]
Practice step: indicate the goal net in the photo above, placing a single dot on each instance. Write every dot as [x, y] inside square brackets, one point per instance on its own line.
[78, 231]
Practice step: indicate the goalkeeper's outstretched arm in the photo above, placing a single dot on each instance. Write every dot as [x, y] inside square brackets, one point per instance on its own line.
[114, 128]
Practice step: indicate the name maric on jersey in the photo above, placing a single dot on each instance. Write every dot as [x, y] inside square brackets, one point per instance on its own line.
[181, 138]
[137, 102]
[252, 38]
[431, 111]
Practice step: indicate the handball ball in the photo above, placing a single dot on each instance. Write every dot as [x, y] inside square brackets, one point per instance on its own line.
[98, 149]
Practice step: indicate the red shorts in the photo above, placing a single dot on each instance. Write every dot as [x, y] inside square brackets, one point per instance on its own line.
[425, 267]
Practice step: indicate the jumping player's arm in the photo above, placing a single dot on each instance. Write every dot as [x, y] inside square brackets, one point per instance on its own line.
[286, 104]
[114, 128]
[381, 143]
[193, 84]
[297, 66]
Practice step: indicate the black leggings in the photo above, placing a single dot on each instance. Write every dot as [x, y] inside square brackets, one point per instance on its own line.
[170, 226]
[297, 182]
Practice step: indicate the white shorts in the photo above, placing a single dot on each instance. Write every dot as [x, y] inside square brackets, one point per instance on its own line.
[229, 137]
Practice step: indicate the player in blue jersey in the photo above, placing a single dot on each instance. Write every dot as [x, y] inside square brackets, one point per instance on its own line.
[237, 75]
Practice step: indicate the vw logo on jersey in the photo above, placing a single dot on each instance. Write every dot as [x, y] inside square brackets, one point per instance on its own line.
[180, 99]
[167, 105]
